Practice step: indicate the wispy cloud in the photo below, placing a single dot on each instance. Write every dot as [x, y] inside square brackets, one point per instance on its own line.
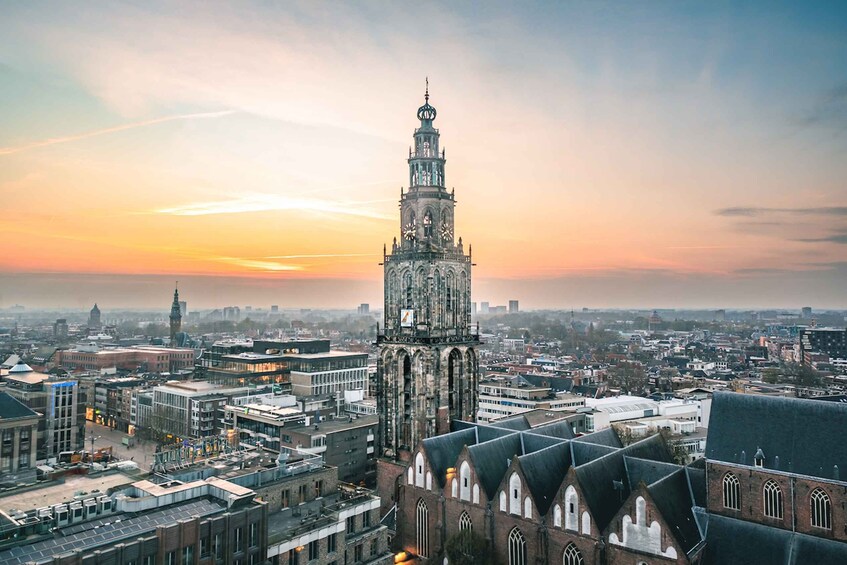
[322, 255]
[758, 211]
[124, 127]
[272, 266]
[270, 202]
[834, 238]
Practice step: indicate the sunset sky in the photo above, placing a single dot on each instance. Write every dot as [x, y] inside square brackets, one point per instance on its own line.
[670, 154]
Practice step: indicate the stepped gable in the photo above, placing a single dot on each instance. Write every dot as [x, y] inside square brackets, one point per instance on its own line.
[442, 451]
[544, 471]
[789, 432]
[491, 460]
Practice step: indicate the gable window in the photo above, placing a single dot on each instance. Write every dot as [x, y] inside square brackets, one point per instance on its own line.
[517, 548]
[423, 529]
[571, 509]
[572, 556]
[731, 492]
[515, 494]
[821, 509]
[419, 476]
[772, 496]
[557, 516]
[465, 481]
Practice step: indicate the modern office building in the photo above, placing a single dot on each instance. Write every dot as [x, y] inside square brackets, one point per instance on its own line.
[831, 342]
[61, 425]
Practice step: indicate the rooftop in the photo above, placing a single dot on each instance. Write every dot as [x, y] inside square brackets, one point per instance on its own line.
[58, 492]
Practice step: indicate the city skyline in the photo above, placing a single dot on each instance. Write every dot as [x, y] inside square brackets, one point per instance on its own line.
[603, 157]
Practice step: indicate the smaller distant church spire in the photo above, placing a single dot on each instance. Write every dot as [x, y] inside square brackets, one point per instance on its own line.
[176, 315]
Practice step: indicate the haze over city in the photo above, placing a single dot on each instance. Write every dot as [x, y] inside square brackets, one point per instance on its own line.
[605, 156]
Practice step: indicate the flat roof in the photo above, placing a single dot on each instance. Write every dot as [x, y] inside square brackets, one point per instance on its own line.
[57, 493]
[107, 531]
[334, 425]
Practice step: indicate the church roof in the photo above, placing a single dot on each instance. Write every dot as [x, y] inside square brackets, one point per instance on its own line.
[492, 458]
[442, 451]
[672, 496]
[605, 480]
[736, 541]
[793, 434]
[544, 471]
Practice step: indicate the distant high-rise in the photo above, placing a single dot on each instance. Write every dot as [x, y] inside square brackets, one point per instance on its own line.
[176, 316]
[363, 309]
[94, 318]
[183, 308]
[806, 312]
[720, 315]
[513, 306]
[484, 308]
[60, 328]
[274, 309]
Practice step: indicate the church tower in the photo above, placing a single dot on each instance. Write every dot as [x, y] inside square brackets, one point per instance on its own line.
[428, 369]
[176, 317]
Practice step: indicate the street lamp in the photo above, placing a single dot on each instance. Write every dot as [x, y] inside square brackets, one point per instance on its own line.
[92, 438]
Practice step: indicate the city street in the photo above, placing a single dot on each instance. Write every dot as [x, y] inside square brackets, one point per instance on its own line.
[141, 453]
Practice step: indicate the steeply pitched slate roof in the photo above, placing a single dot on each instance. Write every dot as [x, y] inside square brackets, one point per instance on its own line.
[442, 451]
[487, 433]
[600, 477]
[544, 471]
[583, 453]
[697, 482]
[735, 541]
[673, 499]
[561, 429]
[603, 437]
[646, 471]
[517, 423]
[789, 428]
[10, 408]
[492, 458]
[532, 442]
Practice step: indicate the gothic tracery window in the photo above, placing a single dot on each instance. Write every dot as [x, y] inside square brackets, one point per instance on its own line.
[465, 522]
[572, 556]
[821, 509]
[517, 548]
[772, 496]
[422, 528]
[731, 492]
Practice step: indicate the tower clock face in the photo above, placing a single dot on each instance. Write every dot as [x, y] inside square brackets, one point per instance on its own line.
[409, 231]
[446, 230]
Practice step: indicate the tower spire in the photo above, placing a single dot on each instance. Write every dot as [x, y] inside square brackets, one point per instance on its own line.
[426, 96]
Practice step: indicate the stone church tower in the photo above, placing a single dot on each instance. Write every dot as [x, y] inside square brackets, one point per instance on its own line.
[428, 369]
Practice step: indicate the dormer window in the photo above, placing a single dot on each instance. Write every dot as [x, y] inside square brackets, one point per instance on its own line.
[759, 458]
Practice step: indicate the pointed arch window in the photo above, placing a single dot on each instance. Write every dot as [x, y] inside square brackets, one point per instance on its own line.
[772, 495]
[465, 522]
[422, 524]
[515, 494]
[465, 481]
[821, 511]
[571, 509]
[517, 548]
[572, 556]
[731, 492]
[427, 224]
